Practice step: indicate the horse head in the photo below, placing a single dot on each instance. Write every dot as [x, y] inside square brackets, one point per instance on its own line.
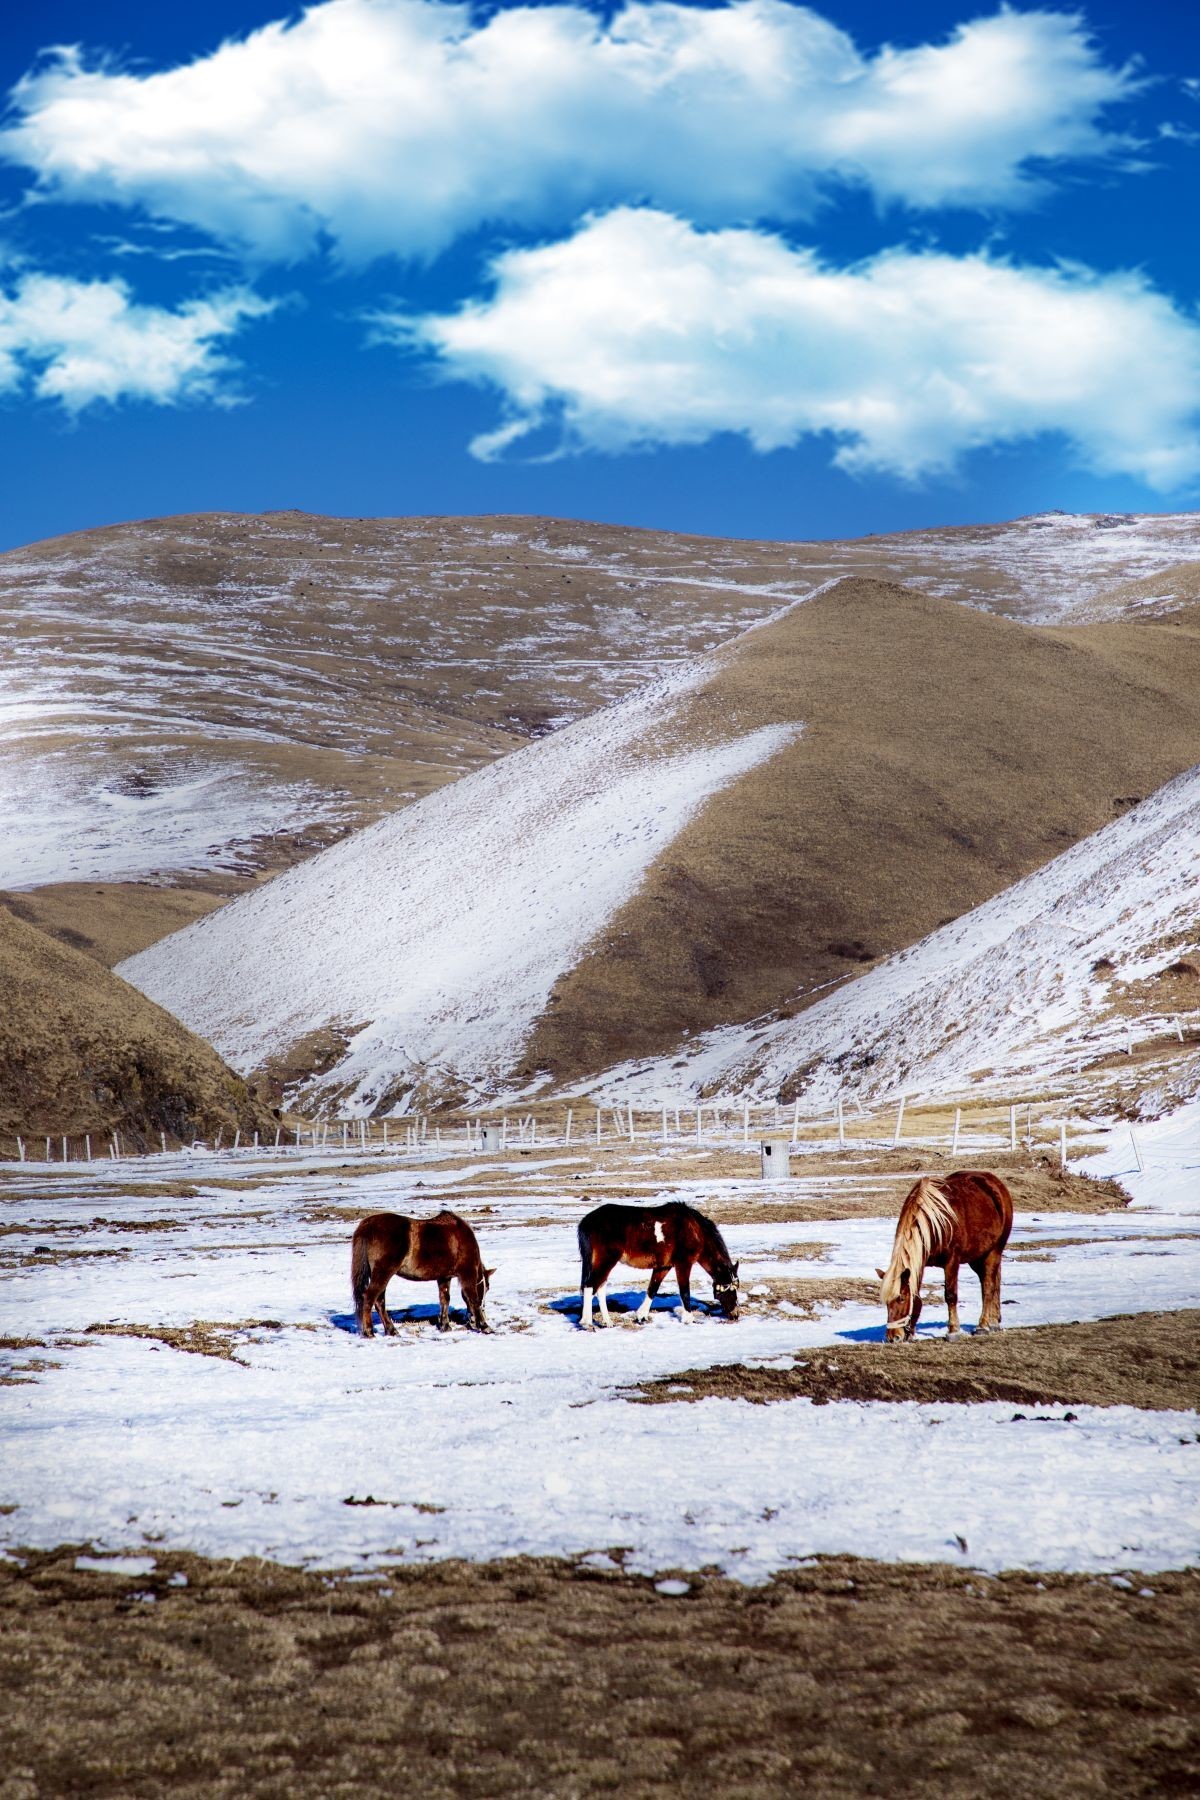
[724, 1282]
[903, 1306]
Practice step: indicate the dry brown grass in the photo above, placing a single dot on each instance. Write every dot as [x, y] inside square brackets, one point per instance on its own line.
[1141, 1359]
[81, 1051]
[467, 1682]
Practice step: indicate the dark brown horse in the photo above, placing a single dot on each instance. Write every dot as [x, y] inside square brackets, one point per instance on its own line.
[658, 1238]
[440, 1249]
[964, 1219]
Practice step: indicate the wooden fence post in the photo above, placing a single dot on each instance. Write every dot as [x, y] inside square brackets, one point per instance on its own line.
[567, 1132]
[1012, 1127]
[841, 1116]
[1062, 1143]
[899, 1122]
[957, 1129]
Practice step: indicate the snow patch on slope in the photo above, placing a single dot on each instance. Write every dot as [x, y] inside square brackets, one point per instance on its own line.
[446, 926]
[1008, 989]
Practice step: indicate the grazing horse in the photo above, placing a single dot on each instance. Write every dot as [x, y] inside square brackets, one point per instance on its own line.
[437, 1249]
[964, 1219]
[658, 1238]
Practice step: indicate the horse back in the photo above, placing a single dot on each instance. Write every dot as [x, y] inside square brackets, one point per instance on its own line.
[385, 1236]
[645, 1237]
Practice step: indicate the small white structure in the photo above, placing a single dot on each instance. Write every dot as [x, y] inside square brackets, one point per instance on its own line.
[491, 1137]
[776, 1160]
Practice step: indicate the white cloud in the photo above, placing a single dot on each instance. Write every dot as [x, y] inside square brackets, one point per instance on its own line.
[640, 330]
[79, 342]
[392, 126]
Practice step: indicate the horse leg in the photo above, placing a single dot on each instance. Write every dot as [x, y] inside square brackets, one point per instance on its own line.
[988, 1270]
[952, 1296]
[443, 1318]
[381, 1307]
[683, 1275]
[601, 1270]
[657, 1278]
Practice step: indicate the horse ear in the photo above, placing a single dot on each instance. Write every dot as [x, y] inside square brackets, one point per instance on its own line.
[736, 1267]
[882, 1274]
[489, 1273]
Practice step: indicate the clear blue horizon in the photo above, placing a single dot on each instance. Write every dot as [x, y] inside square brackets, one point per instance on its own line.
[749, 269]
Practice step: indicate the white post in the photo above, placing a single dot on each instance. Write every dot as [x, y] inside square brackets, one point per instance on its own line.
[385, 1129]
[87, 1147]
[255, 1141]
[533, 1131]
[567, 1132]
[21, 1150]
[1062, 1143]
[66, 1153]
[221, 1128]
[237, 1137]
[48, 1150]
[1178, 1028]
[697, 1124]
[664, 1124]
[278, 1135]
[112, 1151]
[162, 1138]
[632, 1133]
[598, 1118]
[1137, 1155]
[957, 1129]
[899, 1122]
[297, 1131]
[117, 1141]
[678, 1126]
[504, 1132]
[1012, 1127]
[745, 1124]
[796, 1121]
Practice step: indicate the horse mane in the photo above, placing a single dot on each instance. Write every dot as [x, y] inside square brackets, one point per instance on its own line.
[712, 1234]
[926, 1222]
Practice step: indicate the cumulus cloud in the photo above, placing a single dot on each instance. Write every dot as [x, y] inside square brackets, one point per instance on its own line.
[393, 126]
[641, 330]
[83, 342]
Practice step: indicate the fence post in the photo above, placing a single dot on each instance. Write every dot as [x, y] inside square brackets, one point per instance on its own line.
[957, 1129]
[1137, 1155]
[599, 1116]
[632, 1134]
[21, 1150]
[162, 1138]
[237, 1137]
[567, 1132]
[697, 1124]
[841, 1124]
[1012, 1127]
[1062, 1143]
[664, 1124]
[48, 1158]
[899, 1122]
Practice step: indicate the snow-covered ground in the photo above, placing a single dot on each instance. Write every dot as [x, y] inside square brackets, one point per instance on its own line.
[435, 937]
[1010, 990]
[320, 1447]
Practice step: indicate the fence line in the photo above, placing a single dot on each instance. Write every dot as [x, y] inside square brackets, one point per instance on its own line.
[729, 1124]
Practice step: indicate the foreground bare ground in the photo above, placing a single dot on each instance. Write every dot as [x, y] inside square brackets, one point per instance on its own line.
[536, 1677]
[1141, 1359]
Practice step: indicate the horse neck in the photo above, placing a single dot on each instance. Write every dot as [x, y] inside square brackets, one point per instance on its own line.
[712, 1247]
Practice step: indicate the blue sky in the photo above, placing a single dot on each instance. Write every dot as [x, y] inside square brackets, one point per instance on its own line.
[748, 268]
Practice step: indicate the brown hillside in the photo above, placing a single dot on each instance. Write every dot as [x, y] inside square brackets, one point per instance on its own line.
[946, 753]
[82, 1051]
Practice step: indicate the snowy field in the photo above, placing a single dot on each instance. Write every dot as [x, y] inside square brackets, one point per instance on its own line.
[312, 1445]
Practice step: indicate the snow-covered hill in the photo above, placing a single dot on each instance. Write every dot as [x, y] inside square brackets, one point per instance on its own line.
[429, 943]
[1059, 971]
[224, 692]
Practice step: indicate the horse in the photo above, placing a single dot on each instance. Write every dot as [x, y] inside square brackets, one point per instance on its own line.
[964, 1219]
[437, 1249]
[658, 1238]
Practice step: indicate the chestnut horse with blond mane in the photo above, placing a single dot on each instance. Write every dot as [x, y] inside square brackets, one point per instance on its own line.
[964, 1219]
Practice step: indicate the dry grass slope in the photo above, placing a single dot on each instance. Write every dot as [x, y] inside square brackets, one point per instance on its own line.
[946, 753]
[81, 1051]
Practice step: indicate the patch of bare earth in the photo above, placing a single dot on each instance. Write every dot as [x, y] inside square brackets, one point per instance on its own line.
[1139, 1359]
[541, 1678]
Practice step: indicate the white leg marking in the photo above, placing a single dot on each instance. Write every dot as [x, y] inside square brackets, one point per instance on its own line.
[604, 1318]
[644, 1308]
[684, 1314]
[585, 1318]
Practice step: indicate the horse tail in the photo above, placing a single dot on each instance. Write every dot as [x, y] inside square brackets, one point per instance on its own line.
[584, 1239]
[926, 1224]
[360, 1268]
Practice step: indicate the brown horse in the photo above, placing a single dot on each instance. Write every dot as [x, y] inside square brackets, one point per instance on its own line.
[438, 1249]
[658, 1238]
[964, 1219]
